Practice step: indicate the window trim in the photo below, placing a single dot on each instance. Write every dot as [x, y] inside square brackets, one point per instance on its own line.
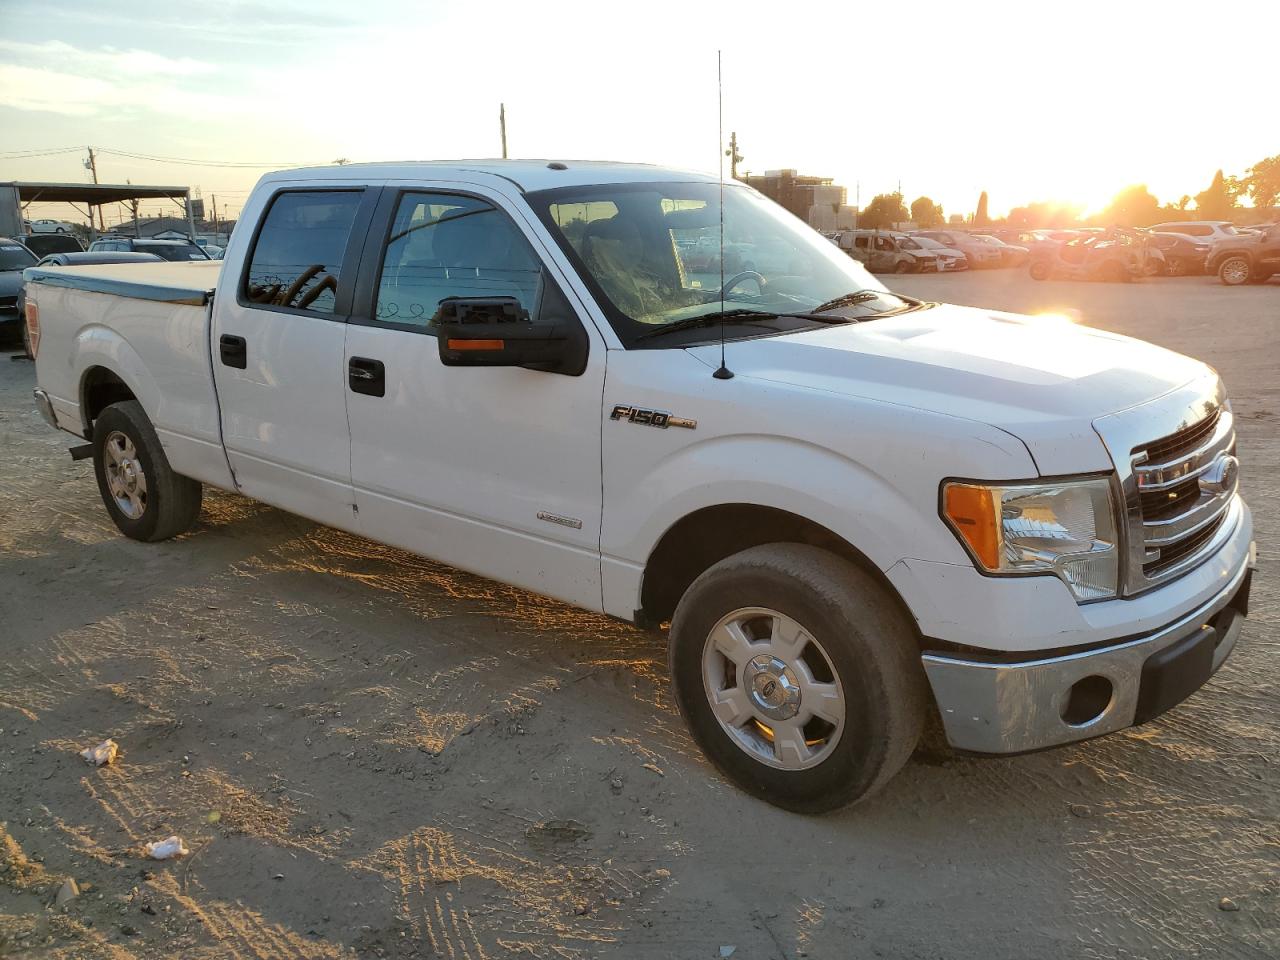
[350, 256]
[364, 307]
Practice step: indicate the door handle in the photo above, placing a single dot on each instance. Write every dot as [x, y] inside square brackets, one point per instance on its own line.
[367, 376]
[233, 351]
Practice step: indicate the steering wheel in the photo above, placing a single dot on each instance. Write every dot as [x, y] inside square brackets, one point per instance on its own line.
[737, 278]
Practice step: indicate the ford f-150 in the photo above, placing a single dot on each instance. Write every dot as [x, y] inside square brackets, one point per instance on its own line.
[874, 508]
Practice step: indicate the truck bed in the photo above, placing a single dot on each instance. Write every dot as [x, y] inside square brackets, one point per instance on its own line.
[184, 282]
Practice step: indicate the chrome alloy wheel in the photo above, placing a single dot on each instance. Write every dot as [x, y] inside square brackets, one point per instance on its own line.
[773, 688]
[125, 479]
[1236, 270]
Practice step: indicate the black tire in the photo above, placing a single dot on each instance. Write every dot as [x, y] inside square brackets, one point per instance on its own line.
[1040, 270]
[1235, 270]
[172, 501]
[902, 266]
[867, 640]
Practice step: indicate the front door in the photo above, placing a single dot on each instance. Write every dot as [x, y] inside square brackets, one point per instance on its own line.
[492, 469]
[278, 353]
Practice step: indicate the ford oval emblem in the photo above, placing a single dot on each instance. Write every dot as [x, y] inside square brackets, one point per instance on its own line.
[1221, 476]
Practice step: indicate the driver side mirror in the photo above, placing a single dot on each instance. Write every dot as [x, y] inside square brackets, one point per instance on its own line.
[498, 332]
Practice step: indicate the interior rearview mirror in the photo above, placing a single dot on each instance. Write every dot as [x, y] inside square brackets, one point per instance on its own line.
[498, 332]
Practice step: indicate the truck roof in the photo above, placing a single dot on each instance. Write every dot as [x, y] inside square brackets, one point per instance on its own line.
[528, 175]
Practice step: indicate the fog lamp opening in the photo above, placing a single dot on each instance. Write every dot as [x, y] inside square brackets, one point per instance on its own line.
[1087, 700]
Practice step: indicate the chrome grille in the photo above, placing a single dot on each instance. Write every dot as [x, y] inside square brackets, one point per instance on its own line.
[1177, 511]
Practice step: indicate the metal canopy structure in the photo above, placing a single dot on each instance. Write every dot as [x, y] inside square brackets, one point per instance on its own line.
[15, 195]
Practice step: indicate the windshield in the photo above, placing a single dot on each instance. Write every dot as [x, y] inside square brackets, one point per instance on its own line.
[171, 251]
[906, 243]
[651, 254]
[14, 256]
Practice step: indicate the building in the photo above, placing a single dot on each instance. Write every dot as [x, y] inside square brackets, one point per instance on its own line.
[817, 201]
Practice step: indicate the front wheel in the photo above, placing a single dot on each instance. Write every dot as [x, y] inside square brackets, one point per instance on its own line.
[145, 498]
[798, 676]
[1234, 271]
[1040, 269]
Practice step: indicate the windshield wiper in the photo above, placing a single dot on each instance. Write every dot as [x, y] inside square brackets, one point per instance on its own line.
[737, 315]
[847, 300]
[709, 320]
[865, 296]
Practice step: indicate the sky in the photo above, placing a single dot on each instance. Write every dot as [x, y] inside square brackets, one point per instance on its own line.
[1027, 100]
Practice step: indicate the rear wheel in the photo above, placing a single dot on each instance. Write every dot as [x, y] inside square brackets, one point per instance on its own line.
[902, 267]
[145, 498]
[1040, 270]
[1234, 271]
[798, 676]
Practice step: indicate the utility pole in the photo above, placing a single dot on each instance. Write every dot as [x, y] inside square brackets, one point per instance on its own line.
[214, 197]
[93, 168]
[734, 156]
[502, 124]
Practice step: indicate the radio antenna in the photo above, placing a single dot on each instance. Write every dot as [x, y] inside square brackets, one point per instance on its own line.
[724, 373]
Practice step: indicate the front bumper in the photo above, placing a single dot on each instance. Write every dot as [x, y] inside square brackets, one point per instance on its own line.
[996, 707]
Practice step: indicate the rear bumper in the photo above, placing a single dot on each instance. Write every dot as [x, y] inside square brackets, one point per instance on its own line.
[999, 707]
[45, 406]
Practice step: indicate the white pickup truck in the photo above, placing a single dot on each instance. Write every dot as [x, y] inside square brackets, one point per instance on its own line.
[873, 510]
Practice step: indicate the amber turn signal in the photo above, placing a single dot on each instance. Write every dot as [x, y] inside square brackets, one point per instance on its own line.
[476, 344]
[974, 513]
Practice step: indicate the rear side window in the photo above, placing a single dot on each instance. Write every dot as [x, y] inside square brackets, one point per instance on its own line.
[297, 259]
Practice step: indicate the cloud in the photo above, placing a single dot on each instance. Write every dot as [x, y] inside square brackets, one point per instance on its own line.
[110, 60]
[56, 77]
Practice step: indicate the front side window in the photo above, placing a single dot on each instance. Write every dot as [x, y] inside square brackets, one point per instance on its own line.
[446, 245]
[297, 258]
[653, 257]
[884, 243]
[172, 251]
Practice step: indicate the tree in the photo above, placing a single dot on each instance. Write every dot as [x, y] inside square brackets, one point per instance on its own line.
[980, 219]
[925, 212]
[1132, 207]
[882, 212]
[1262, 181]
[1217, 202]
[1035, 216]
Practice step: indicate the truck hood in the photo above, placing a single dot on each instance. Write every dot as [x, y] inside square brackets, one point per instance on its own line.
[10, 283]
[1043, 379]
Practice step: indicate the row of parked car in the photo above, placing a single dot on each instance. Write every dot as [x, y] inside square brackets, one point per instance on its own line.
[1182, 248]
[59, 248]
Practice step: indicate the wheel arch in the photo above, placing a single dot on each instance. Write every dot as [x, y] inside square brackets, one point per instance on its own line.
[700, 539]
[100, 386]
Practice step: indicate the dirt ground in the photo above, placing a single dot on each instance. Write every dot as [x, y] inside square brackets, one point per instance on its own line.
[373, 755]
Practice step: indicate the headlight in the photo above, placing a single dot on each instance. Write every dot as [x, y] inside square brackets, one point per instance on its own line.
[1067, 529]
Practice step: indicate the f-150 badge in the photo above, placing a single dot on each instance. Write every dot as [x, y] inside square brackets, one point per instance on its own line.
[650, 418]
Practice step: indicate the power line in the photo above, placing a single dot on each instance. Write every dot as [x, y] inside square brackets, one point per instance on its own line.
[202, 163]
[23, 154]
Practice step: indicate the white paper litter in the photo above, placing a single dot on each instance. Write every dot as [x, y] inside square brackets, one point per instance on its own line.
[102, 754]
[166, 849]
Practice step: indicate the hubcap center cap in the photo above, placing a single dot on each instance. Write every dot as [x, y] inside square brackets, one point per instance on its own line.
[773, 687]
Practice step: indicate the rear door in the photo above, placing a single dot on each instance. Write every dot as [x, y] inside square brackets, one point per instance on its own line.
[492, 469]
[278, 351]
